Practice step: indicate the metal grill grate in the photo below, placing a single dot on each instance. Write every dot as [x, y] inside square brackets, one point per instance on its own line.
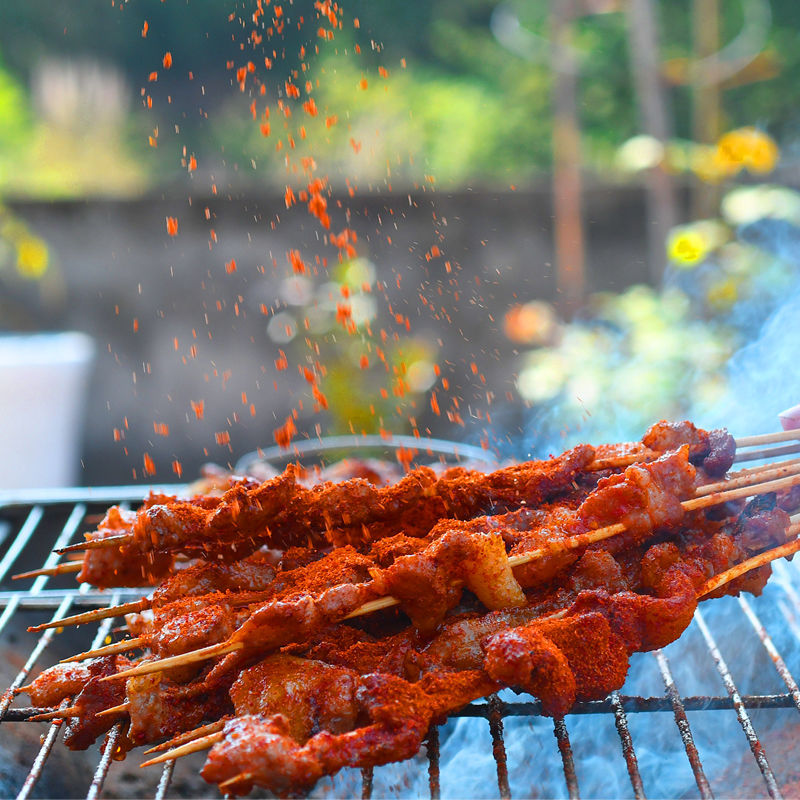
[31, 526]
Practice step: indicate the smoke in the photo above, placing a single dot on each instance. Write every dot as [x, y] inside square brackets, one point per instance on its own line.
[761, 379]
[764, 376]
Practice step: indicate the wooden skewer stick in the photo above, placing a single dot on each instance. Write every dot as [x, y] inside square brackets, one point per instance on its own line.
[600, 464]
[122, 708]
[244, 599]
[109, 650]
[558, 546]
[195, 746]
[97, 544]
[60, 569]
[751, 478]
[789, 462]
[617, 462]
[188, 736]
[782, 551]
[564, 545]
[766, 452]
[203, 654]
[768, 438]
[93, 616]
[231, 782]
[743, 491]
[60, 713]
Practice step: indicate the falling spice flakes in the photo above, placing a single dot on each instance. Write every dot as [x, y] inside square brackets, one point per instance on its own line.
[297, 263]
[295, 97]
[285, 434]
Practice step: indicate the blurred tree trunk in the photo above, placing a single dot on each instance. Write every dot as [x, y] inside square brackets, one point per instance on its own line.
[643, 41]
[569, 238]
[706, 105]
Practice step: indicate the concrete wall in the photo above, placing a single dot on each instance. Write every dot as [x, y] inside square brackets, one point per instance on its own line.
[119, 266]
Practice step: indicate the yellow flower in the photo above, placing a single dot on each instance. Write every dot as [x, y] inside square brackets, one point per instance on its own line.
[747, 148]
[32, 257]
[709, 165]
[687, 247]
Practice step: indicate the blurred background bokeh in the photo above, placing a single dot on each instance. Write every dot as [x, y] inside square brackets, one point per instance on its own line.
[530, 223]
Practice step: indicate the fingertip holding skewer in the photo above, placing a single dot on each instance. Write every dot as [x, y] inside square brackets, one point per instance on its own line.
[195, 746]
[790, 419]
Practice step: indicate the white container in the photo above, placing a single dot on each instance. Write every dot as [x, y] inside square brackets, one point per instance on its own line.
[43, 387]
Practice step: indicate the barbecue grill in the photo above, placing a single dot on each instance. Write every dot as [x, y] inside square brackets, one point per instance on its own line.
[704, 699]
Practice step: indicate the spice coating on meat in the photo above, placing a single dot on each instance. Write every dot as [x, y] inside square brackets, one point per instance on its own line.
[399, 715]
[121, 566]
[313, 696]
[644, 497]
[80, 731]
[58, 682]
[713, 450]
[282, 512]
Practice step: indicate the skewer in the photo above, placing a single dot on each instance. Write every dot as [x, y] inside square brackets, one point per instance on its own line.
[737, 494]
[206, 742]
[766, 452]
[144, 604]
[109, 650]
[792, 435]
[242, 776]
[122, 708]
[60, 569]
[62, 713]
[581, 540]
[195, 746]
[563, 545]
[752, 477]
[182, 659]
[189, 736]
[245, 599]
[97, 544]
[93, 616]
[782, 551]
[608, 463]
[616, 462]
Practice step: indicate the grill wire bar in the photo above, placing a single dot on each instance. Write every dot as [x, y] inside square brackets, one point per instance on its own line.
[741, 712]
[682, 721]
[34, 515]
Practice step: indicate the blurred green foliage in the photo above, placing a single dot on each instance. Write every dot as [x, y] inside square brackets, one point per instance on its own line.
[465, 109]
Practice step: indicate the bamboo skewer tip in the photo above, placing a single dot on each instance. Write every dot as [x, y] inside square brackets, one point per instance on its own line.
[242, 776]
[122, 708]
[59, 713]
[195, 746]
